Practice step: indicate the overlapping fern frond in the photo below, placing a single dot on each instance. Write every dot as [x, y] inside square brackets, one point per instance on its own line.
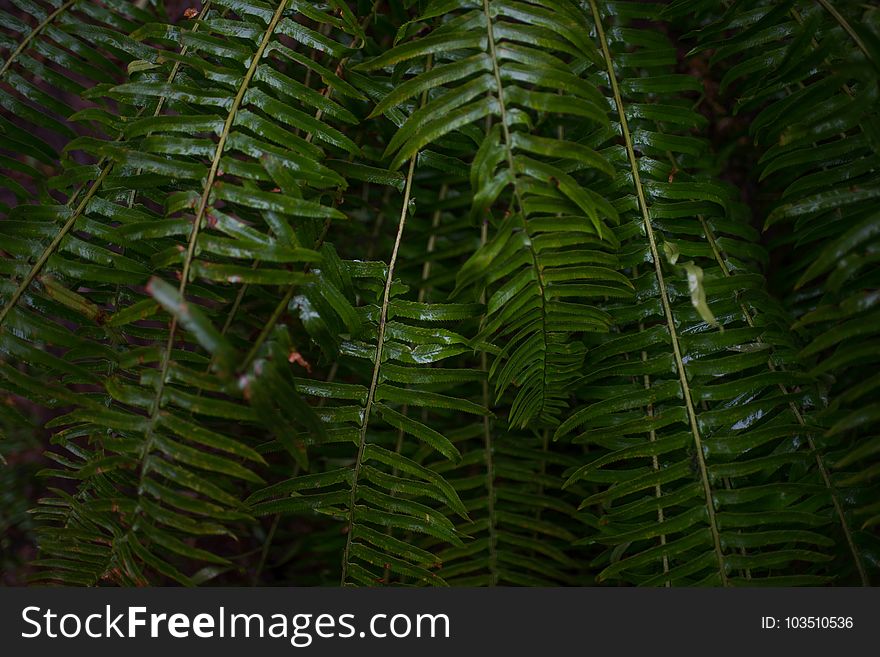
[692, 407]
[53, 53]
[442, 293]
[814, 95]
[205, 189]
[381, 488]
[497, 71]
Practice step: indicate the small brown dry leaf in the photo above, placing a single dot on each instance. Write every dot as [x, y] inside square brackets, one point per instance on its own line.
[296, 357]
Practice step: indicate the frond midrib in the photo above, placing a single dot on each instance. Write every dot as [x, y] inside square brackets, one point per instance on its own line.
[508, 147]
[208, 186]
[664, 297]
[33, 34]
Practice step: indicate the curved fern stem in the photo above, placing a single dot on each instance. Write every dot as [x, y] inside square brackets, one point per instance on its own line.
[377, 361]
[664, 296]
[221, 144]
[655, 464]
[377, 364]
[846, 26]
[53, 245]
[655, 461]
[423, 291]
[487, 447]
[209, 183]
[707, 231]
[815, 45]
[33, 34]
[490, 479]
[106, 167]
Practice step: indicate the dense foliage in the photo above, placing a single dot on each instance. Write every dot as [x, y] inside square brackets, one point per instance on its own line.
[441, 292]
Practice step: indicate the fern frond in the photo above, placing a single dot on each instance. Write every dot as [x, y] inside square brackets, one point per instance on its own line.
[442, 293]
[523, 523]
[693, 427]
[269, 175]
[492, 65]
[382, 488]
[53, 53]
[815, 96]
